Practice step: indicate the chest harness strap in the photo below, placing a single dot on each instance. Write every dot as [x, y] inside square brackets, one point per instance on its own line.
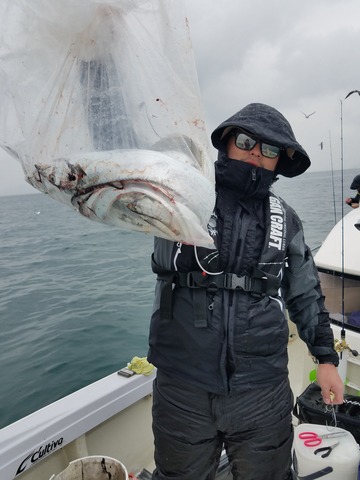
[258, 285]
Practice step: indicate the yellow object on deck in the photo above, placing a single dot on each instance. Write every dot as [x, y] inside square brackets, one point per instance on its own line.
[140, 365]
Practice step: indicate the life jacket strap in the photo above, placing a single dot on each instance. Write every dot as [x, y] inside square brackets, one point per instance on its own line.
[258, 285]
[166, 293]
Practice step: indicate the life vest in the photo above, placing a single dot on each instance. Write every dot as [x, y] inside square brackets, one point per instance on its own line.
[265, 279]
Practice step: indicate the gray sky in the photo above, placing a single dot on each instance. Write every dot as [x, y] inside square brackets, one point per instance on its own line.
[297, 56]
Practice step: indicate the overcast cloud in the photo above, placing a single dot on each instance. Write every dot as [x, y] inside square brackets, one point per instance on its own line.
[295, 56]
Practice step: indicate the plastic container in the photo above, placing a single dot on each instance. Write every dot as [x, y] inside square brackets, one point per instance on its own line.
[342, 462]
[96, 467]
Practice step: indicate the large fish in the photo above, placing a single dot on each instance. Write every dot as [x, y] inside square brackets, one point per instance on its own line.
[102, 109]
[145, 190]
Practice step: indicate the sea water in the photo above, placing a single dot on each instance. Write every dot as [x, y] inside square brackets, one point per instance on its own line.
[76, 296]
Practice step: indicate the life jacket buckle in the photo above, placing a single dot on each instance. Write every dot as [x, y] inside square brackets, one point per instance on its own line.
[237, 282]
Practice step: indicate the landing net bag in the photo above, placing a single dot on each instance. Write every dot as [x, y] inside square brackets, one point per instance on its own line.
[99, 101]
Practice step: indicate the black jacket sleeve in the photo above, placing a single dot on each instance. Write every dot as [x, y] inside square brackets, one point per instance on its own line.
[305, 302]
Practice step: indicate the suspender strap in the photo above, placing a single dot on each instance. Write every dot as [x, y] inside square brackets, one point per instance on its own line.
[199, 297]
[166, 293]
[200, 308]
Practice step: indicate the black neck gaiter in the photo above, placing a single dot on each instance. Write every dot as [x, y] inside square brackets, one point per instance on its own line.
[245, 179]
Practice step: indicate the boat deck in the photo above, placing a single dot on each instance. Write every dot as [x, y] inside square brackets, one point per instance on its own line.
[112, 417]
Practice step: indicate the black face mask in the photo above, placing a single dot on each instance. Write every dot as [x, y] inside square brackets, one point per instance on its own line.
[248, 181]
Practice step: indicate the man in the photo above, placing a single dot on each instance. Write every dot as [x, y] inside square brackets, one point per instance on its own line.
[355, 185]
[219, 333]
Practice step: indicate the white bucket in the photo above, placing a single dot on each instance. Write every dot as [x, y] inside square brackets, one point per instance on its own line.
[342, 463]
[94, 467]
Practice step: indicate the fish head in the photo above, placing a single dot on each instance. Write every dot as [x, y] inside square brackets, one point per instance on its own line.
[62, 174]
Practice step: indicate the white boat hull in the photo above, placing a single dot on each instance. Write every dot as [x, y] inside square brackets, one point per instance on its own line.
[340, 250]
[110, 417]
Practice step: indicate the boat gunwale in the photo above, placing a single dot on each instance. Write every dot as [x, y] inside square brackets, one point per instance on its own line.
[67, 419]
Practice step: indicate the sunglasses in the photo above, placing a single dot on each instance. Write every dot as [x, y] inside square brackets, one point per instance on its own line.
[245, 142]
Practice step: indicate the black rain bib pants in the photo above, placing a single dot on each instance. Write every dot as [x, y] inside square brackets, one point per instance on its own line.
[192, 426]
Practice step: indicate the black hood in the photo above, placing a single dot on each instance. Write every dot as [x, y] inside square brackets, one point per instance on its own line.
[355, 185]
[272, 127]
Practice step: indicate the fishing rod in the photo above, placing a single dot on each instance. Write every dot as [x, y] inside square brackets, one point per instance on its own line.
[314, 249]
[332, 175]
[343, 345]
[342, 225]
